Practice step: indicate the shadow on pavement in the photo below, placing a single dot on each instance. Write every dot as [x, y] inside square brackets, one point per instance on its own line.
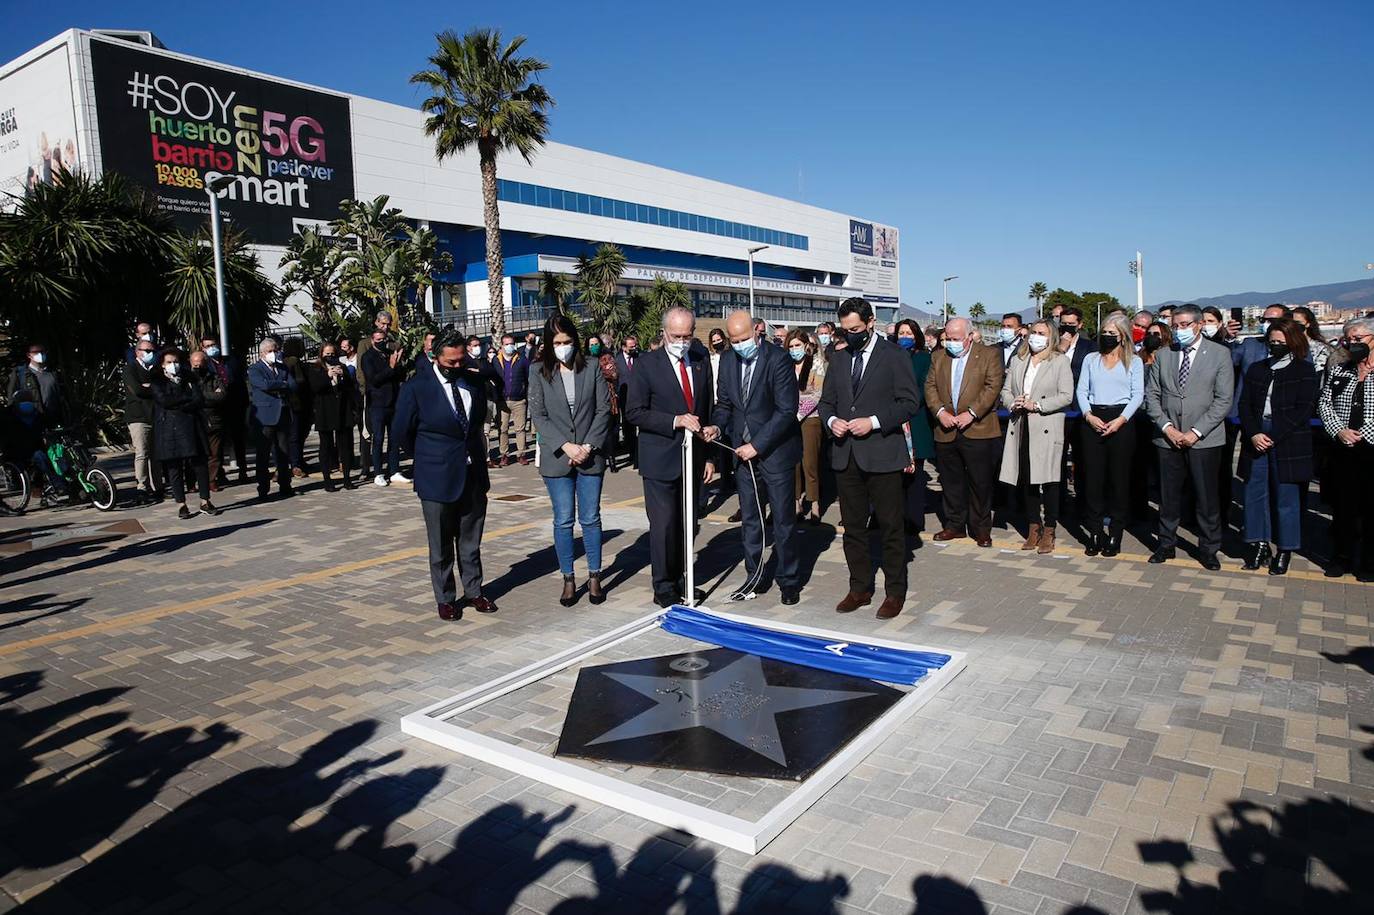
[153, 546]
[37, 602]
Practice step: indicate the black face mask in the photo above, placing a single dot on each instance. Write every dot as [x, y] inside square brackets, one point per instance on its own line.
[1068, 330]
[856, 339]
[718, 346]
[1359, 352]
[1278, 350]
[1153, 342]
[450, 373]
[632, 352]
[1106, 343]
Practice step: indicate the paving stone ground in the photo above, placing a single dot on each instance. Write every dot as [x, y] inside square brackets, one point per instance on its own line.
[204, 715]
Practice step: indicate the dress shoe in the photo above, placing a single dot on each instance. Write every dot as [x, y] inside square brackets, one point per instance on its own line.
[184, 513]
[1279, 565]
[698, 597]
[209, 508]
[890, 607]
[1046, 540]
[522, 460]
[349, 484]
[450, 612]
[1032, 537]
[1336, 567]
[1113, 545]
[948, 534]
[505, 461]
[1093, 546]
[852, 602]
[735, 518]
[493, 464]
[983, 539]
[1210, 562]
[665, 600]
[595, 593]
[790, 596]
[1163, 554]
[1365, 574]
[329, 486]
[1258, 555]
[482, 604]
[569, 595]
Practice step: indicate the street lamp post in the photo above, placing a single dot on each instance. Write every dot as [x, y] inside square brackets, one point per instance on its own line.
[752, 252]
[945, 307]
[213, 188]
[1138, 271]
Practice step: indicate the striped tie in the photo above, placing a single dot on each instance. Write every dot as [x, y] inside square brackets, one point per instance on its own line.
[1184, 367]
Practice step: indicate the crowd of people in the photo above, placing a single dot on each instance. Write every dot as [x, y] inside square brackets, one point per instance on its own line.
[1172, 408]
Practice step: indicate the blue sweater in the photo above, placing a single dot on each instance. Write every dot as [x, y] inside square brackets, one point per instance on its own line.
[1099, 386]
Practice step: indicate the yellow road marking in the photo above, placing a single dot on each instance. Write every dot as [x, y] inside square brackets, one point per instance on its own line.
[153, 613]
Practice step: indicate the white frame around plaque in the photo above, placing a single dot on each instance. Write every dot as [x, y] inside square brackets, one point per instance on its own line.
[750, 836]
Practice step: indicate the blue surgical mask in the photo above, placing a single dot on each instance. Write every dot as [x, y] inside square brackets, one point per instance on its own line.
[1184, 336]
[147, 357]
[746, 349]
[212, 351]
[797, 354]
[508, 349]
[1008, 334]
[906, 342]
[824, 339]
[954, 347]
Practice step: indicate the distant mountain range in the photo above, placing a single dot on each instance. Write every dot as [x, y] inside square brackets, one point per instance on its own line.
[1354, 294]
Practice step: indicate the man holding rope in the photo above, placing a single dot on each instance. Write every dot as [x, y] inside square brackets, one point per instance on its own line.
[756, 416]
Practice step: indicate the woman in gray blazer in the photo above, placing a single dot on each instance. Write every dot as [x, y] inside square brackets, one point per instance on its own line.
[1037, 390]
[570, 408]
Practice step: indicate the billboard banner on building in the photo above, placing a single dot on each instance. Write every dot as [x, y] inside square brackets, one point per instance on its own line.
[172, 126]
[37, 125]
[873, 260]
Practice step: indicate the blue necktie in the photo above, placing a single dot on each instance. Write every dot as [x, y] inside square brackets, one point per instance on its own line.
[459, 413]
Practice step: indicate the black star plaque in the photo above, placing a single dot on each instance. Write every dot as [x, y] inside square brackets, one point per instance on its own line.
[718, 711]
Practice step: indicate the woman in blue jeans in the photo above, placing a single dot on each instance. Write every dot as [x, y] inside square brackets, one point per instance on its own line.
[1276, 407]
[570, 408]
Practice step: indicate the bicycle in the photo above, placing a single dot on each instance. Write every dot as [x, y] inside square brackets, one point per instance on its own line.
[71, 474]
[14, 487]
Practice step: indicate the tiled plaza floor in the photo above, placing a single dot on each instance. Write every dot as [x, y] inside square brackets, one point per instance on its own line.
[204, 715]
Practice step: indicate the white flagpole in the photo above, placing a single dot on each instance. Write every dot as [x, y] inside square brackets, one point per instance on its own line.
[689, 518]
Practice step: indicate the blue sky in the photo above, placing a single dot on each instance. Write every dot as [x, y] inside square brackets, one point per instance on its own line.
[1231, 142]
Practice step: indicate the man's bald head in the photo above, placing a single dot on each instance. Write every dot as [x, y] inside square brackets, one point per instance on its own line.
[739, 326]
[957, 329]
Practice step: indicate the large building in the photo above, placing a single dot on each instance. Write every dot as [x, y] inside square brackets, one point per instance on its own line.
[104, 100]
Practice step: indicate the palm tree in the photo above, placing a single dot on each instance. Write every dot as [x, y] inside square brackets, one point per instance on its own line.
[425, 260]
[664, 294]
[554, 289]
[370, 222]
[1038, 291]
[251, 299]
[598, 282]
[314, 265]
[975, 311]
[483, 96]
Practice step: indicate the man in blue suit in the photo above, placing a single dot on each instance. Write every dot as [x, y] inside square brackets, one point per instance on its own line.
[270, 386]
[756, 414]
[669, 397]
[439, 419]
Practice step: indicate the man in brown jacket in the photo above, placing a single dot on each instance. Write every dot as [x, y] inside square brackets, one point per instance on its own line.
[962, 390]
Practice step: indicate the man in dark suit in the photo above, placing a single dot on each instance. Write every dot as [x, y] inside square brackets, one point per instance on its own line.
[382, 370]
[1011, 337]
[336, 409]
[963, 388]
[756, 412]
[670, 396]
[269, 414]
[868, 394]
[439, 417]
[625, 368]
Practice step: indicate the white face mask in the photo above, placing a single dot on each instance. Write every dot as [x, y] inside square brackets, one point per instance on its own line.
[677, 350]
[475, 353]
[172, 369]
[563, 352]
[38, 358]
[1008, 334]
[1210, 330]
[508, 349]
[1038, 342]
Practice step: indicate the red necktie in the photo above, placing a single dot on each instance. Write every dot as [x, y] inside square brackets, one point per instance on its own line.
[686, 384]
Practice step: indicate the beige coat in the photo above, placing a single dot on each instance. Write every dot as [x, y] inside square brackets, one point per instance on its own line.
[1053, 390]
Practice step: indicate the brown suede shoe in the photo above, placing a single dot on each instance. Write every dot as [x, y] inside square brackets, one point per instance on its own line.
[948, 534]
[1032, 537]
[853, 602]
[1047, 539]
[983, 539]
[891, 606]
